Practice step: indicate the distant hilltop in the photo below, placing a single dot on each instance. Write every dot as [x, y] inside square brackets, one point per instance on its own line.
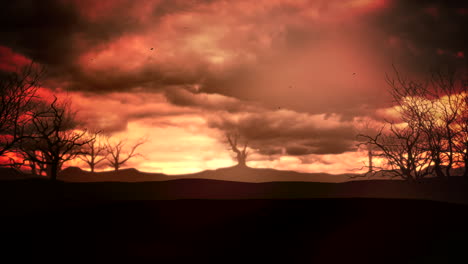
[236, 173]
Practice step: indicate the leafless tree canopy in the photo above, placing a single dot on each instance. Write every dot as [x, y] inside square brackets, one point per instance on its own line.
[94, 151]
[118, 154]
[51, 137]
[431, 135]
[17, 91]
[402, 150]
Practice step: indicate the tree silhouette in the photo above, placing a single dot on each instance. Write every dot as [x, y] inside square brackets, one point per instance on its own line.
[52, 139]
[461, 138]
[450, 105]
[435, 107]
[430, 137]
[27, 150]
[17, 91]
[116, 157]
[233, 139]
[94, 151]
[402, 149]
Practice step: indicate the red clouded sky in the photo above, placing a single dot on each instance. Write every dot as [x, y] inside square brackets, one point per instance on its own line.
[293, 77]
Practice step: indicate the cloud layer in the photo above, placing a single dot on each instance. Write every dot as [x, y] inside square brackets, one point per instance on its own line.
[291, 76]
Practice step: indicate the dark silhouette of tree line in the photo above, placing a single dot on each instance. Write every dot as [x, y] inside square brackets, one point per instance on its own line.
[430, 136]
[44, 135]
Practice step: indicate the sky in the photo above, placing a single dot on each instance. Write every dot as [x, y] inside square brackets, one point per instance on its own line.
[294, 78]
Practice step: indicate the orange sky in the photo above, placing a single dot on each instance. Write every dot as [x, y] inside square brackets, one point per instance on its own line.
[293, 77]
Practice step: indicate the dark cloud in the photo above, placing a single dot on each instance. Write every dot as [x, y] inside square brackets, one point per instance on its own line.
[105, 81]
[270, 150]
[283, 72]
[183, 96]
[309, 69]
[297, 151]
[421, 28]
[41, 30]
[104, 124]
[56, 33]
[271, 132]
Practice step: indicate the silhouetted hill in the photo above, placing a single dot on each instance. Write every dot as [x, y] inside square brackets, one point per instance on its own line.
[247, 174]
[239, 174]
[13, 174]
[74, 174]
[72, 171]
[39, 191]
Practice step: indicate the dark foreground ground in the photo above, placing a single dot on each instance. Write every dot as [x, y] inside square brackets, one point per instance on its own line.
[45, 223]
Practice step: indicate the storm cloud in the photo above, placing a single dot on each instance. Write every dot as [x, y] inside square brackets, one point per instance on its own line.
[289, 132]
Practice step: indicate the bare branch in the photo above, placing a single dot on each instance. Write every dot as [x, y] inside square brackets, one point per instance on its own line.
[17, 91]
[51, 138]
[429, 135]
[115, 156]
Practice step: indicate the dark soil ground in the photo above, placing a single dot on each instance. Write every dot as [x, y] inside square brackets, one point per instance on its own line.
[189, 221]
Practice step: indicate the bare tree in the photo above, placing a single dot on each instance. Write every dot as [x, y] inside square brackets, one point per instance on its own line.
[17, 91]
[27, 151]
[448, 97]
[430, 137]
[402, 149]
[233, 139]
[116, 150]
[52, 139]
[461, 138]
[435, 107]
[94, 152]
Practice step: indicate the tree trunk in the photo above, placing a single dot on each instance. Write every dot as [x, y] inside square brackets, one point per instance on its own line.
[438, 169]
[53, 171]
[92, 167]
[116, 167]
[407, 174]
[371, 169]
[241, 160]
[450, 152]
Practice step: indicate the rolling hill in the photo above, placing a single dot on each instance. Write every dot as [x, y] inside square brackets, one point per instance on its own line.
[238, 174]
